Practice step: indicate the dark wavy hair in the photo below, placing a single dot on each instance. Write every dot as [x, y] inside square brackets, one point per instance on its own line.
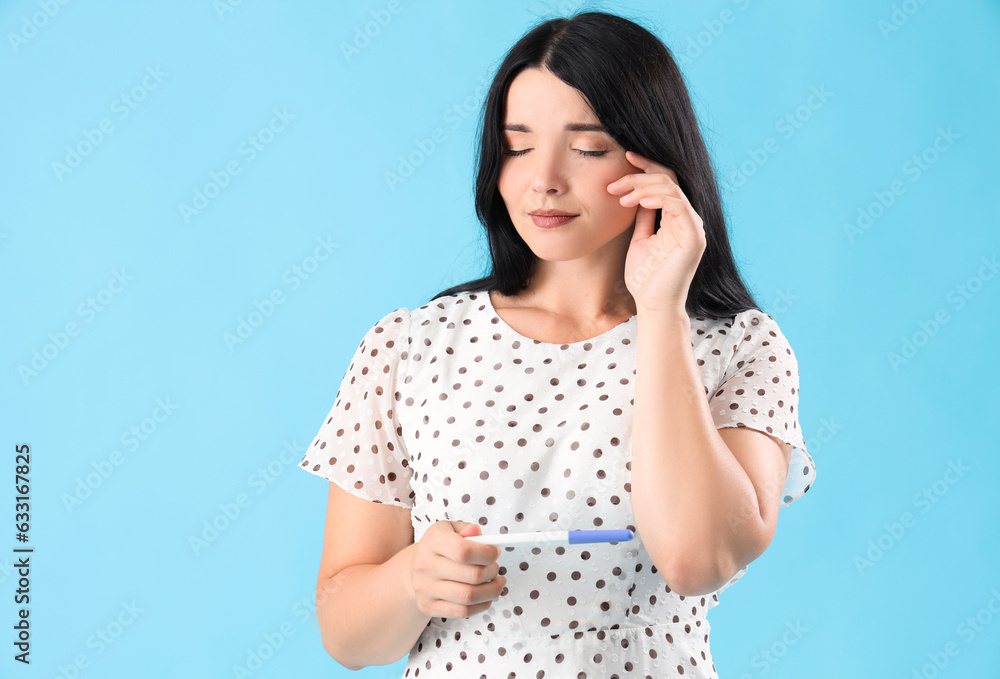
[636, 90]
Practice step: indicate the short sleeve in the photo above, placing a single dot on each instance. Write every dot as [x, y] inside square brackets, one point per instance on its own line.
[359, 445]
[760, 390]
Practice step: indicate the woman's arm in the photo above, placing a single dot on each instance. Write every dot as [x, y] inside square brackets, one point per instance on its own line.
[366, 614]
[704, 509]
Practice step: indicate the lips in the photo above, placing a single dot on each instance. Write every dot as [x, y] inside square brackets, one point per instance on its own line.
[547, 221]
[551, 213]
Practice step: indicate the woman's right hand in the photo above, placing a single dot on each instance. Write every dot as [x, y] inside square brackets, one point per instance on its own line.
[451, 577]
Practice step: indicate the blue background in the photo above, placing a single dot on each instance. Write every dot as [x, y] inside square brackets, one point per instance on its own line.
[848, 283]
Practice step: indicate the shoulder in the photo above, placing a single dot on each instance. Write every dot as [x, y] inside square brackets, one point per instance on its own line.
[754, 321]
[758, 331]
[720, 337]
[386, 337]
[391, 327]
[723, 345]
[446, 313]
[759, 350]
[747, 329]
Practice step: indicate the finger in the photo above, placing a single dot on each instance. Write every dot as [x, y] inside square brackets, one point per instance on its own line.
[658, 187]
[457, 593]
[446, 609]
[468, 529]
[650, 166]
[646, 164]
[645, 223]
[473, 574]
[460, 550]
[655, 200]
[480, 550]
[631, 181]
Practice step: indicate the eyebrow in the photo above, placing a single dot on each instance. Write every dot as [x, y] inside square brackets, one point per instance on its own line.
[571, 127]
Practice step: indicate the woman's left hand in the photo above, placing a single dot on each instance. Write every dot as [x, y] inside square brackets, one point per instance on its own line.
[659, 266]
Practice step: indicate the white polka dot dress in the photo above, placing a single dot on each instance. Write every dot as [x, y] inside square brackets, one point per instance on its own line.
[448, 411]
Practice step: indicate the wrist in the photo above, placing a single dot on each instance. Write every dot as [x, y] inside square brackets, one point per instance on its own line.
[672, 317]
[407, 579]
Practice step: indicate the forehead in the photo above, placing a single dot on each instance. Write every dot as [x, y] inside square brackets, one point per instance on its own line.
[536, 97]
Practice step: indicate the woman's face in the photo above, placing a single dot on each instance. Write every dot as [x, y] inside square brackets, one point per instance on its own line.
[561, 168]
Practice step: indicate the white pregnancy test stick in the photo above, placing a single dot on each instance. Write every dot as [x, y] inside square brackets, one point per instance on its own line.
[553, 537]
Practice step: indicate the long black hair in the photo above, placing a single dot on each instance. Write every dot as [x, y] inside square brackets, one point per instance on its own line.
[636, 90]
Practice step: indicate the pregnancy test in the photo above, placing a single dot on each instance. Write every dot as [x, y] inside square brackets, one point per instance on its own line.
[553, 537]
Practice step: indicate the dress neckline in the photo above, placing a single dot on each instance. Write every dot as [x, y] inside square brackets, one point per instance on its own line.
[607, 334]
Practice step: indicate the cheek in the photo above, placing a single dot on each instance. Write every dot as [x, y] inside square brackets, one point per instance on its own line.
[506, 181]
[610, 201]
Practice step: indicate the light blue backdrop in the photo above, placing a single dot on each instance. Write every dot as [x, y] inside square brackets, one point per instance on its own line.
[857, 148]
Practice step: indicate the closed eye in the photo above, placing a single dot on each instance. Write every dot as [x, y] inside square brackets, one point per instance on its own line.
[585, 153]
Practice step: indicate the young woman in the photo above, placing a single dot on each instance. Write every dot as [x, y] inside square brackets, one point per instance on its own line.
[612, 371]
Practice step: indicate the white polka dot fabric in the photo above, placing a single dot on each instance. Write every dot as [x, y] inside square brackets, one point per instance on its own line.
[449, 412]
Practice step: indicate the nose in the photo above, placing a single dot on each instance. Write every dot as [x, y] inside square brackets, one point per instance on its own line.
[549, 171]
